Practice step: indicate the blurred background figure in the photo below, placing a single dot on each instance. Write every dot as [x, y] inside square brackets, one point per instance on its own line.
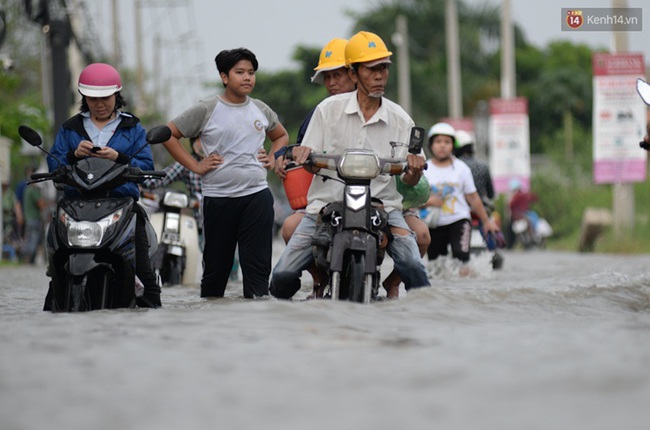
[11, 222]
[526, 226]
[34, 208]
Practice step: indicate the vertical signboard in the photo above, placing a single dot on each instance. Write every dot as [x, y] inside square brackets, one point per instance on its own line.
[466, 124]
[619, 118]
[509, 143]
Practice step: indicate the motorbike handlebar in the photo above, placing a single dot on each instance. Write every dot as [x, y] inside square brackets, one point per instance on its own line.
[154, 173]
[137, 174]
[42, 176]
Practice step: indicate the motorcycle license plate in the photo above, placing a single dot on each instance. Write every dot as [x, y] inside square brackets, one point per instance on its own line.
[176, 250]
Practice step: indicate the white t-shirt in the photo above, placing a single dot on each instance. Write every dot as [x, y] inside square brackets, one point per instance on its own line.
[236, 132]
[453, 182]
[338, 124]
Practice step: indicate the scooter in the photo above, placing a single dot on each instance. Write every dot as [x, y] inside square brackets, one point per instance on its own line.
[90, 243]
[178, 258]
[351, 238]
[531, 230]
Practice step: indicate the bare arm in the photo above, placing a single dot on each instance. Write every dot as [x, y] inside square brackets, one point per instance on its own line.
[176, 150]
[279, 138]
[476, 204]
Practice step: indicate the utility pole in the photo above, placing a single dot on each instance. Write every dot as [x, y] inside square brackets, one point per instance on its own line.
[59, 32]
[508, 83]
[453, 60]
[139, 58]
[623, 193]
[401, 40]
[117, 53]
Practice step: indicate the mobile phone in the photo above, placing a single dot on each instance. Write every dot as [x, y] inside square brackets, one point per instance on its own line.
[95, 148]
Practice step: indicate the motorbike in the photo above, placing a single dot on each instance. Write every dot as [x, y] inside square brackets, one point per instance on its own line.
[531, 230]
[351, 237]
[90, 243]
[178, 257]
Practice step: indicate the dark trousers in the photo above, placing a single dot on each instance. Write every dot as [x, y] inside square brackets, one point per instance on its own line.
[457, 235]
[245, 221]
[143, 266]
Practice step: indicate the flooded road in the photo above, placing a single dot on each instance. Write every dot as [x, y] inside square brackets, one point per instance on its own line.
[552, 341]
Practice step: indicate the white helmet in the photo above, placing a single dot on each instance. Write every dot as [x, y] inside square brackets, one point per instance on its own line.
[441, 128]
[463, 138]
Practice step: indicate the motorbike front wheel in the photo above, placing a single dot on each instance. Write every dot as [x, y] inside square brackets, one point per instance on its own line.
[175, 271]
[78, 299]
[359, 284]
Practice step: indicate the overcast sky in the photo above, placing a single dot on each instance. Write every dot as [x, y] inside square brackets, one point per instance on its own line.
[193, 31]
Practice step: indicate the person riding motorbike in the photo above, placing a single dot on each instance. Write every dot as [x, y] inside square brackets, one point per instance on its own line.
[102, 130]
[364, 118]
[331, 72]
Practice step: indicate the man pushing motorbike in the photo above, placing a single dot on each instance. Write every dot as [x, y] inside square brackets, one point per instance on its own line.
[358, 119]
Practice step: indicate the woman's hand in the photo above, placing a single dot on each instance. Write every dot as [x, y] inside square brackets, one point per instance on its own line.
[105, 152]
[84, 149]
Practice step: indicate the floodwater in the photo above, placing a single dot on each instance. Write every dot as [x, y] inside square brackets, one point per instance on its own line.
[551, 341]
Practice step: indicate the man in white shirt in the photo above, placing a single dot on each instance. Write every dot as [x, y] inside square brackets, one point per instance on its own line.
[360, 119]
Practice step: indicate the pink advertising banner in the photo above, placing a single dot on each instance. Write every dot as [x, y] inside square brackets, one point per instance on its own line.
[619, 117]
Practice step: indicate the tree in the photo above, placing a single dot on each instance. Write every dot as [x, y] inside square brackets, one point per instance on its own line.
[20, 98]
[291, 93]
[479, 30]
[559, 82]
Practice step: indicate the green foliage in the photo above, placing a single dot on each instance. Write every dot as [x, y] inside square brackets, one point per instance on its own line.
[290, 95]
[428, 62]
[20, 85]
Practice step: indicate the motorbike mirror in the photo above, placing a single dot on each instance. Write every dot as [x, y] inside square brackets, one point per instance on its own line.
[159, 134]
[643, 88]
[416, 140]
[30, 135]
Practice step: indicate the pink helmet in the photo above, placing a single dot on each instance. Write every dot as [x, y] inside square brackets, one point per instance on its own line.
[99, 80]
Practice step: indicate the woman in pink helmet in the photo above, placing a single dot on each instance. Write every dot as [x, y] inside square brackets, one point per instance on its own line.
[102, 130]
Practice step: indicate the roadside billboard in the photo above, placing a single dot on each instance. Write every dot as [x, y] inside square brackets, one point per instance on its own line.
[619, 119]
[509, 143]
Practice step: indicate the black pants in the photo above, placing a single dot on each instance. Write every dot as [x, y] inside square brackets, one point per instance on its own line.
[457, 235]
[245, 221]
[143, 266]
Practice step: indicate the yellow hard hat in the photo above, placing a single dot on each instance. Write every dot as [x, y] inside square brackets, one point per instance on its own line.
[332, 57]
[366, 47]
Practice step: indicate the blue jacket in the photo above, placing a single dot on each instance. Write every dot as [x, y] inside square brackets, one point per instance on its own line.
[127, 139]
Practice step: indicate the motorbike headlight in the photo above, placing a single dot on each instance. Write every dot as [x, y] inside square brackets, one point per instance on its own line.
[176, 200]
[172, 222]
[359, 164]
[87, 233]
